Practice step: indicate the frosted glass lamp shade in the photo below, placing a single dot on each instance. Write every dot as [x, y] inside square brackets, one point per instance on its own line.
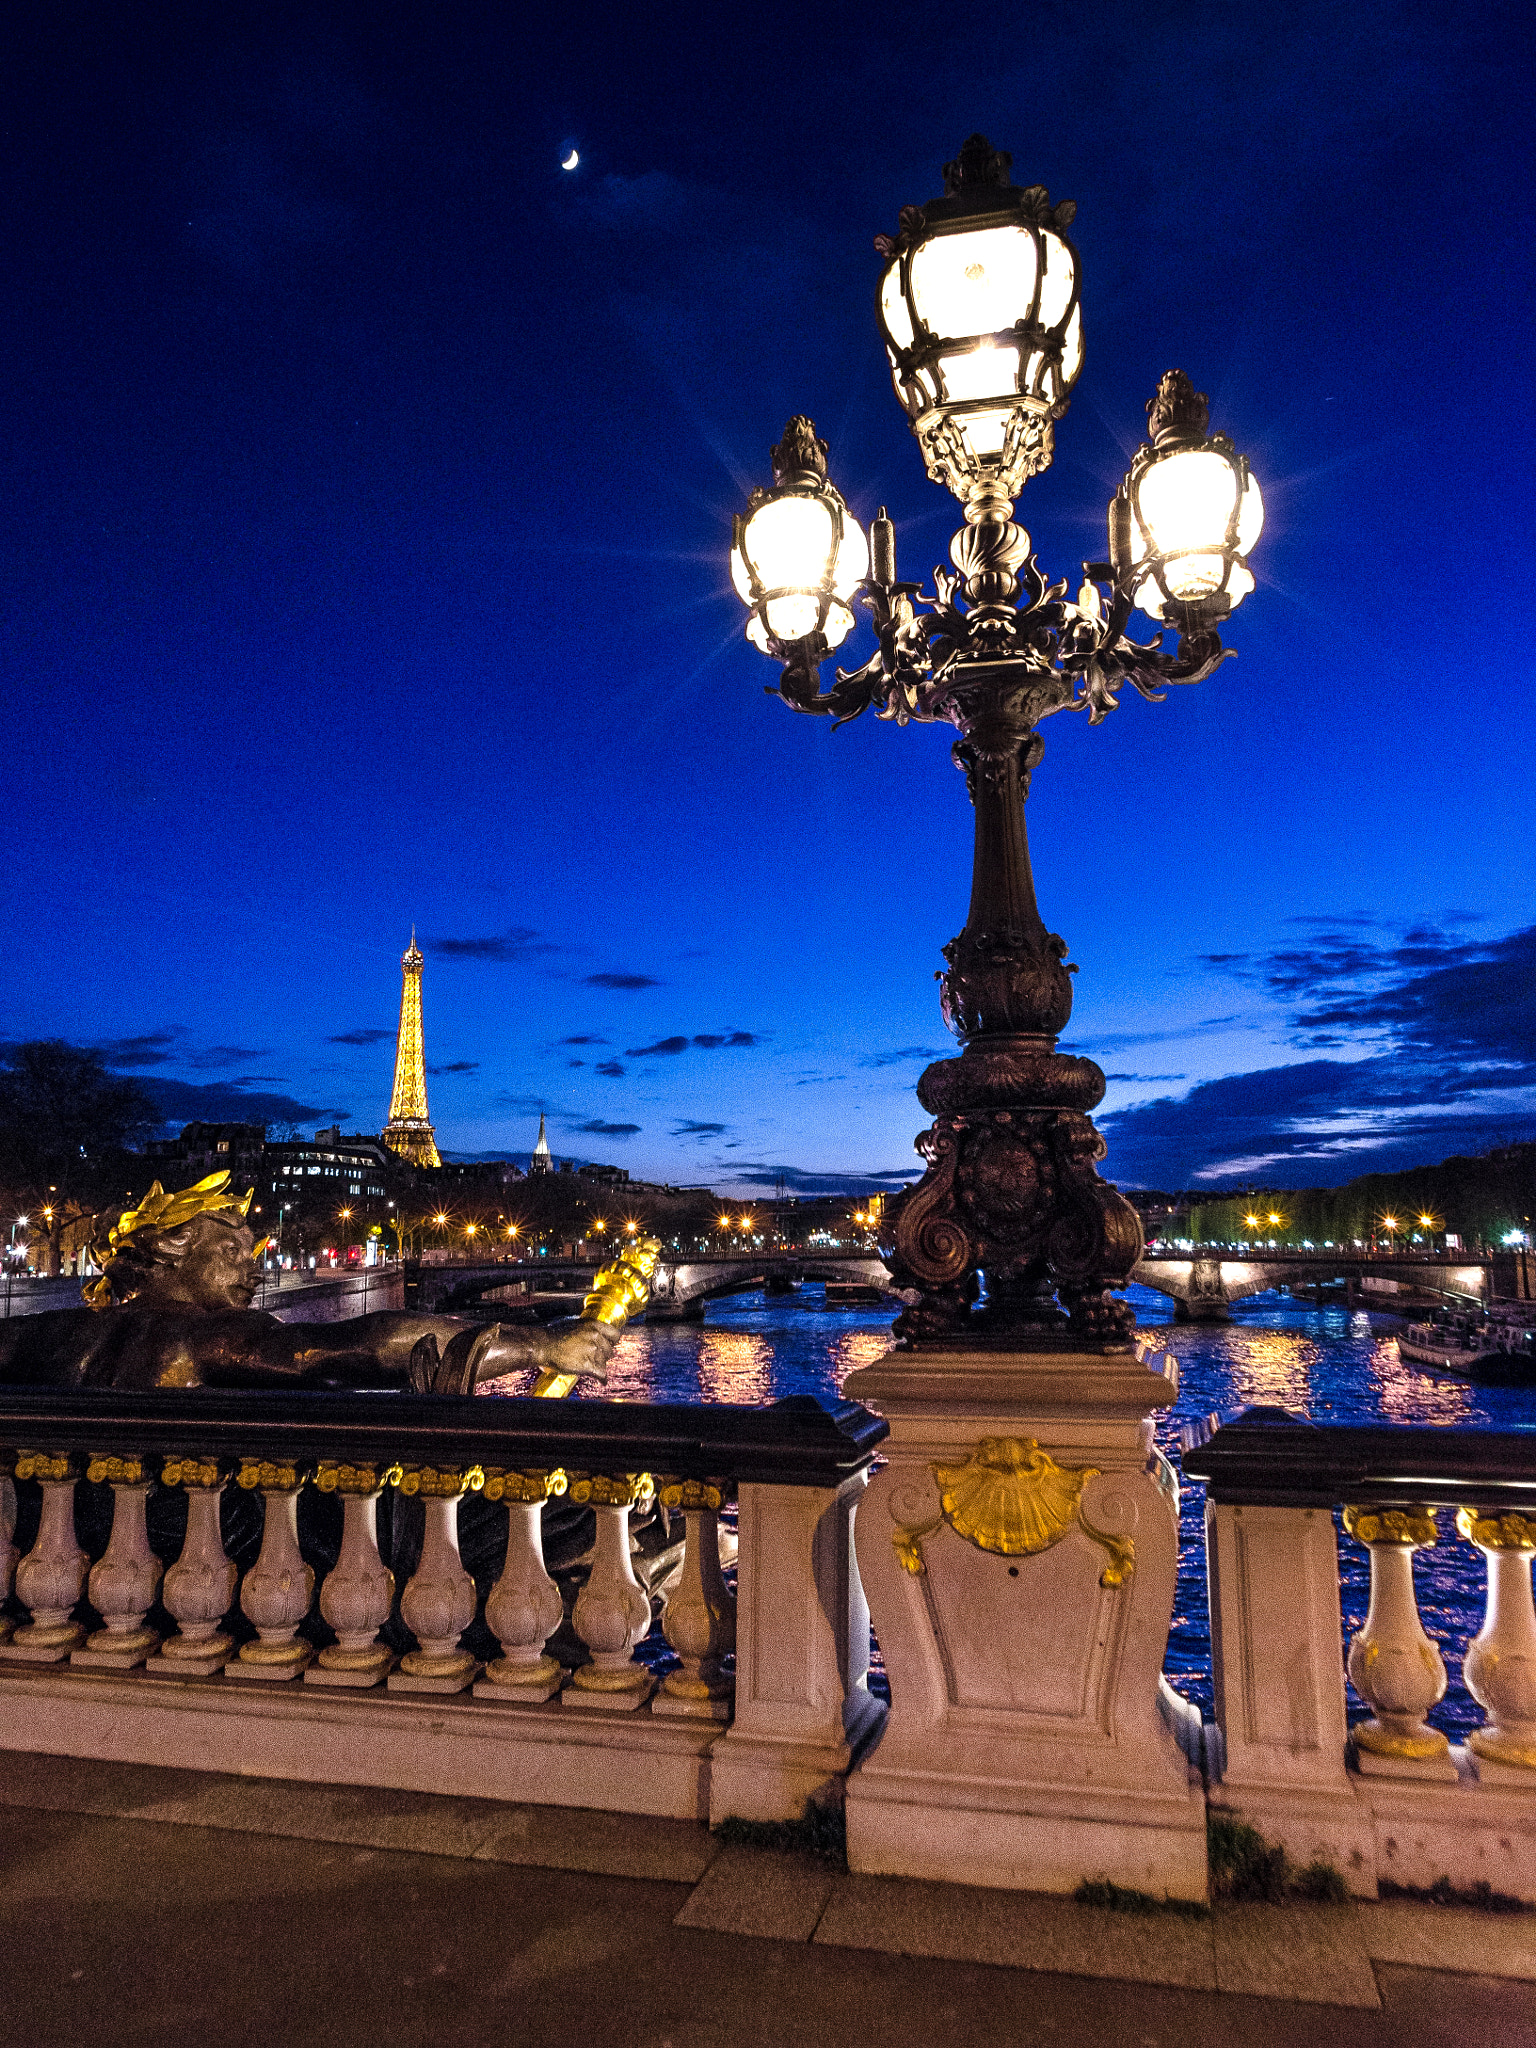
[797, 559]
[978, 308]
[1184, 520]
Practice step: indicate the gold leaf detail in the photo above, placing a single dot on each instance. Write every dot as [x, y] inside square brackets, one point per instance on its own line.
[524, 1486]
[1496, 1531]
[1413, 1527]
[437, 1483]
[38, 1465]
[118, 1471]
[346, 1479]
[255, 1472]
[1011, 1497]
[908, 1539]
[601, 1491]
[201, 1472]
[1370, 1735]
[1122, 1553]
[692, 1493]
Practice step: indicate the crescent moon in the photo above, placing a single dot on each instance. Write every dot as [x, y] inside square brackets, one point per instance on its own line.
[570, 162]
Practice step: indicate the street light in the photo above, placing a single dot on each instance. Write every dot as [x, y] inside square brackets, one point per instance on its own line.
[980, 310]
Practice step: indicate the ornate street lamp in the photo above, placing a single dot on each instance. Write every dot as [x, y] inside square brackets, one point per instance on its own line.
[979, 307]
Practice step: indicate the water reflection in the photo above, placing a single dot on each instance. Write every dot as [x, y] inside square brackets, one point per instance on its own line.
[1271, 1367]
[735, 1365]
[1409, 1394]
[858, 1348]
[1332, 1364]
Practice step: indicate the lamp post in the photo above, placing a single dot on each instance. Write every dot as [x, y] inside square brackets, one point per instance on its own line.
[980, 311]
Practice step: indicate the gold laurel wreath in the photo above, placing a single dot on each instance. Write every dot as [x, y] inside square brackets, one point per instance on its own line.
[158, 1215]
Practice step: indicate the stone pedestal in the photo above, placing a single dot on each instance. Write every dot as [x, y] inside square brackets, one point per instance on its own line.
[1019, 1551]
[803, 1706]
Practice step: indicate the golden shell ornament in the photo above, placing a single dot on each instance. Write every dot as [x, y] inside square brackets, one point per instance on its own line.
[1010, 1496]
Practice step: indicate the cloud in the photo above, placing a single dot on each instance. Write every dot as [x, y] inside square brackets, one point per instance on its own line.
[518, 943]
[622, 981]
[362, 1037]
[584, 1038]
[1443, 1033]
[906, 1053]
[1127, 1041]
[150, 1049]
[165, 1048]
[1146, 1079]
[802, 1181]
[1320, 1121]
[687, 1127]
[610, 1069]
[709, 1041]
[226, 1102]
[215, 1056]
[595, 1127]
[457, 1067]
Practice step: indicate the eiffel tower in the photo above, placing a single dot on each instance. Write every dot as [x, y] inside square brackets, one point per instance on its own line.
[409, 1131]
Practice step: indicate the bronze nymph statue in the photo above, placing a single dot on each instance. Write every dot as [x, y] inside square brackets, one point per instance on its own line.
[172, 1308]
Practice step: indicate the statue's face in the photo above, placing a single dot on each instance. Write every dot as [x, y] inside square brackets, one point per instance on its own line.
[215, 1272]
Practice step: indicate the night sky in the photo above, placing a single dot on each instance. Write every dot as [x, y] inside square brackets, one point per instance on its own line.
[366, 500]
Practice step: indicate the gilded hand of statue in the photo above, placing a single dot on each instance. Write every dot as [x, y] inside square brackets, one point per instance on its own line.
[579, 1347]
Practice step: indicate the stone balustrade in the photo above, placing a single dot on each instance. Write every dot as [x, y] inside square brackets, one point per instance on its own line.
[533, 1601]
[1387, 1796]
[355, 1645]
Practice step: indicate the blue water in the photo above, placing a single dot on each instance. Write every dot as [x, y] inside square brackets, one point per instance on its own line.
[1330, 1364]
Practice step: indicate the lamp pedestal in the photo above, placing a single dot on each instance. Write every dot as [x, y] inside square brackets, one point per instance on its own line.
[1019, 1553]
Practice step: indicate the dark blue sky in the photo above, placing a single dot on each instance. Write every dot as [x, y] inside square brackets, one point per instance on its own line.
[366, 498]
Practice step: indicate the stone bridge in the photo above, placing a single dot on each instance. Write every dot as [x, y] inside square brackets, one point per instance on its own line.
[681, 1285]
[1204, 1284]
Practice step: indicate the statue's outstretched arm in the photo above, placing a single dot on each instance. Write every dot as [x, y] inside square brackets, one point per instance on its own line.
[455, 1360]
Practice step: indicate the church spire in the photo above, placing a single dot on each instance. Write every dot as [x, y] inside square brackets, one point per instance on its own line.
[541, 1161]
[409, 1132]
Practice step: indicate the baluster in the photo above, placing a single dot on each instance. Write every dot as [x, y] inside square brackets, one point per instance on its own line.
[123, 1580]
[613, 1610]
[199, 1588]
[357, 1594]
[1393, 1665]
[1500, 1666]
[8, 1550]
[699, 1619]
[439, 1601]
[50, 1578]
[279, 1586]
[524, 1608]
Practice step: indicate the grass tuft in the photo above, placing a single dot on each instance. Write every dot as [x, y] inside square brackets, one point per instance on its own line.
[1119, 1898]
[1481, 1897]
[1246, 1867]
[1322, 1883]
[820, 1832]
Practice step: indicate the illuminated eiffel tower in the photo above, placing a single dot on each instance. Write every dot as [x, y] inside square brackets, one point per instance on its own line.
[409, 1131]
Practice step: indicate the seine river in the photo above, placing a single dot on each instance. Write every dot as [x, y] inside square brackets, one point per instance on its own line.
[1329, 1364]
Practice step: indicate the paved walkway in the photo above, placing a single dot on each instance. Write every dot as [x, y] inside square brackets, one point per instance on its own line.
[139, 1904]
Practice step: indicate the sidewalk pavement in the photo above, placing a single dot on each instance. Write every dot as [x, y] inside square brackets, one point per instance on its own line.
[139, 1904]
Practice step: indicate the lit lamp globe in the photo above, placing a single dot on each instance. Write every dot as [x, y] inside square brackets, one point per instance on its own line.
[798, 554]
[979, 308]
[1183, 522]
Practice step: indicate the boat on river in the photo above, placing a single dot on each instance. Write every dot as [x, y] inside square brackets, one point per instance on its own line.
[1495, 1344]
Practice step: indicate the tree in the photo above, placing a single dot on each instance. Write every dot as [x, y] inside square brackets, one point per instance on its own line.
[66, 1129]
